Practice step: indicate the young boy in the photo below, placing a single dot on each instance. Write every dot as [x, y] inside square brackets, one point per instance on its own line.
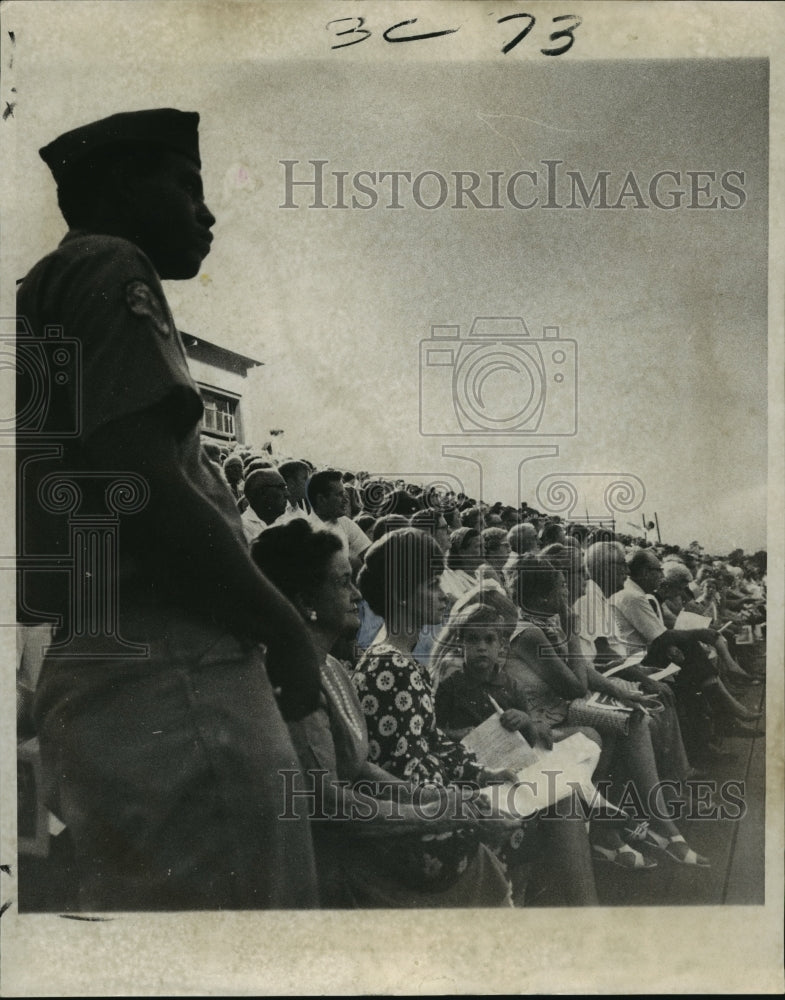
[465, 698]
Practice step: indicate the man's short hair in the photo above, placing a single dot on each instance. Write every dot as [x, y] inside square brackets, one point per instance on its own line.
[259, 479]
[551, 533]
[675, 571]
[471, 517]
[522, 537]
[292, 469]
[598, 554]
[320, 482]
[257, 463]
[481, 616]
[639, 561]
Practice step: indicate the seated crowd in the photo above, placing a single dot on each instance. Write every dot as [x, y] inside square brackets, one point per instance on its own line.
[432, 612]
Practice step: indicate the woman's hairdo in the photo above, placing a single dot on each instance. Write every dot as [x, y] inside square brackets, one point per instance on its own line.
[395, 566]
[566, 558]
[294, 557]
[389, 522]
[531, 578]
[493, 538]
[459, 539]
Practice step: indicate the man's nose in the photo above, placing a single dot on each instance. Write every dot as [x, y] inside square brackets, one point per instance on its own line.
[206, 217]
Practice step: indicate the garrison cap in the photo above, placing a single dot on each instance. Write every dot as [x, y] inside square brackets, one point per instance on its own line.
[165, 127]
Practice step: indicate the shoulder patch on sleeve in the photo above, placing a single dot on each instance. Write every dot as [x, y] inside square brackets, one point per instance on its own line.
[143, 301]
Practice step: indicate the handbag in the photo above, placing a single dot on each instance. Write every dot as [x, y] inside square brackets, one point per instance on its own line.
[607, 721]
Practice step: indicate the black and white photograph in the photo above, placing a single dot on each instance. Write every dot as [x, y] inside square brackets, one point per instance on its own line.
[393, 454]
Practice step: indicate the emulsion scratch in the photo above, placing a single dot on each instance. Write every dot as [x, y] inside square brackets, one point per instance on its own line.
[77, 916]
[9, 110]
[489, 119]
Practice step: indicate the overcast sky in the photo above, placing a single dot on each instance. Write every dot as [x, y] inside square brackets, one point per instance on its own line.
[668, 308]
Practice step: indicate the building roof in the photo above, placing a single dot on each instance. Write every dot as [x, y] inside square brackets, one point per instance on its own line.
[220, 357]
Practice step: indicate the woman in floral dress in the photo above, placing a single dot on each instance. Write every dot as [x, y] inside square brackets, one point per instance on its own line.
[400, 580]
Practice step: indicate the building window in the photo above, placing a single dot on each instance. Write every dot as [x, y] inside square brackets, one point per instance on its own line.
[219, 414]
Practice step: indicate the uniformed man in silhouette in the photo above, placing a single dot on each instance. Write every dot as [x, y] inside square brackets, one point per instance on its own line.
[161, 735]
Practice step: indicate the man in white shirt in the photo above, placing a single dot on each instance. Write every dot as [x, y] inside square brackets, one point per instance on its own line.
[265, 490]
[595, 628]
[638, 613]
[327, 496]
[640, 626]
[594, 618]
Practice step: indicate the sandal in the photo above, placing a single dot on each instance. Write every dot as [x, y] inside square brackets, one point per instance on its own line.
[684, 856]
[687, 857]
[619, 856]
[637, 834]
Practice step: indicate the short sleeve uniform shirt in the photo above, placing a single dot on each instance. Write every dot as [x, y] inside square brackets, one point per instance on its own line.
[95, 333]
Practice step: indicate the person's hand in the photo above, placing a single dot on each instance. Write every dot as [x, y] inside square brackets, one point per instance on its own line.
[537, 732]
[513, 718]
[659, 688]
[540, 733]
[641, 699]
